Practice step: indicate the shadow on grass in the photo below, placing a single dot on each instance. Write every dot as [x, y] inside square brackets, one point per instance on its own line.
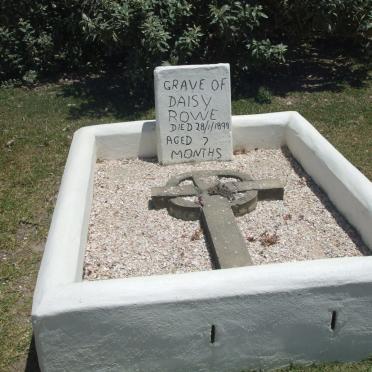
[318, 69]
[108, 94]
[32, 364]
[315, 69]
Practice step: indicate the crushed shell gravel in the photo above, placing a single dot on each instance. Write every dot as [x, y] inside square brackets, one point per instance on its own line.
[127, 239]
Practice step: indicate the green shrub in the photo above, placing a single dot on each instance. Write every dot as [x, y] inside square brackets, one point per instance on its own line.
[38, 37]
[142, 34]
[346, 20]
[263, 95]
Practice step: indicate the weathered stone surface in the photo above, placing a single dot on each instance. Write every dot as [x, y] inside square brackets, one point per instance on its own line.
[193, 113]
[161, 195]
[184, 209]
[217, 204]
[267, 189]
[228, 245]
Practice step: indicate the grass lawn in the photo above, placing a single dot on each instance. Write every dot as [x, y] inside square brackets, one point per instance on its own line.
[36, 127]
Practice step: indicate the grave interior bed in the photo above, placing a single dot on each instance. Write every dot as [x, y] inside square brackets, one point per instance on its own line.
[127, 238]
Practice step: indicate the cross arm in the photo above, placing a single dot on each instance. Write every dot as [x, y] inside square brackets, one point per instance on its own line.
[271, 189]
[161, 195]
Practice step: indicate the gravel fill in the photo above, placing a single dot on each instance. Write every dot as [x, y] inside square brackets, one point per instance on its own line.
[126, 238]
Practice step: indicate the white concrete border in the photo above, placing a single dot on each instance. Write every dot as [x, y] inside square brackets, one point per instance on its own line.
[264, 316]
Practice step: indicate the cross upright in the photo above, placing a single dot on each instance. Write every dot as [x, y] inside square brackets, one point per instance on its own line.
[217, 203]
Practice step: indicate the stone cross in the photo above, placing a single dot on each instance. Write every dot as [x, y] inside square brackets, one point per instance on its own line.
[216, 202]
[193, 113]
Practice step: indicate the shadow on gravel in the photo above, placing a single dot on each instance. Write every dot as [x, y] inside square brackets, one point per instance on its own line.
[328, 205]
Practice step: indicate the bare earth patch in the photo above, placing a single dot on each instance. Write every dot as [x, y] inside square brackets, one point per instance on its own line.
[126, 238]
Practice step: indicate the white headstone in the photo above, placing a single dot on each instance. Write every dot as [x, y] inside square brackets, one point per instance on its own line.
[193, 113]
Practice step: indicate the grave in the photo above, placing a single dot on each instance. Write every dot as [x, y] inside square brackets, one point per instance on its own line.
[237, 317]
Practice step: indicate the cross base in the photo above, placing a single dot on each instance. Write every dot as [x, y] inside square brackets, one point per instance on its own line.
[224, 235]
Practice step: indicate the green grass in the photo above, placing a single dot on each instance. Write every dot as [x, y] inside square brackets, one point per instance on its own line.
[36, 128]
[344, 118]
[364, 366]
[35, 133]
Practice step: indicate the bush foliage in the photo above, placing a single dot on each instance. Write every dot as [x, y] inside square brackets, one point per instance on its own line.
[39, 37]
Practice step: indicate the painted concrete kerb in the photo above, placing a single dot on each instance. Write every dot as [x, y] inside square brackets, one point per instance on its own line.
[62, 260]
[62, 298]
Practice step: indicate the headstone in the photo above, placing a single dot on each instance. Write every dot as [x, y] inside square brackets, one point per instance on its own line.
[193, 113]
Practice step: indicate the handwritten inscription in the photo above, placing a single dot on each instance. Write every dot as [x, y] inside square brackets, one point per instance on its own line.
[194, 117]
[185, 85]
